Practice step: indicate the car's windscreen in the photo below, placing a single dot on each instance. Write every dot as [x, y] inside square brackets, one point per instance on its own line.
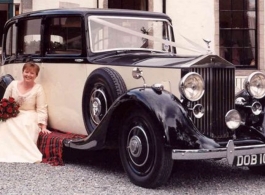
[112, 33]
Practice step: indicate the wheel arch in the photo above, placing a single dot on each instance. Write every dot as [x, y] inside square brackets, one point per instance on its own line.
[118, 116]
[138, 98]
[176, 127]
[5, 80]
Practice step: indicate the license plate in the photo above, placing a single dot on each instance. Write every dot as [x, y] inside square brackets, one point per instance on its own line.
[249, 160]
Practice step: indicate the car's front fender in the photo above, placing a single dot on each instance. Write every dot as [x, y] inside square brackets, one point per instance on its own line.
[167, 111]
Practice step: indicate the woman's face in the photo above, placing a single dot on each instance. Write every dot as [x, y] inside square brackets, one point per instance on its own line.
[29, 75]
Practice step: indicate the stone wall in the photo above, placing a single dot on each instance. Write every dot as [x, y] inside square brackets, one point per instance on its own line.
[26, 6]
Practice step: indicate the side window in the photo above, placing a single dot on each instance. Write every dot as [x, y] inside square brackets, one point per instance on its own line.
[64, 35]
[10, 41]
[29, 32]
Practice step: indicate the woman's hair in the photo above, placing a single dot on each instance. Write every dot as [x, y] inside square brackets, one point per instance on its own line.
[31, 65]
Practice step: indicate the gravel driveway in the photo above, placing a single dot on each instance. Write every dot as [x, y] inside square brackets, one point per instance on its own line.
[101, 173]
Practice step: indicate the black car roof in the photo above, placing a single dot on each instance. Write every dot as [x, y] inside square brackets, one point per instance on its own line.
[94, 11]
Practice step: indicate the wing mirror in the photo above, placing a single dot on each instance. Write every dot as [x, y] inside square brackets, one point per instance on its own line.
[137, 74]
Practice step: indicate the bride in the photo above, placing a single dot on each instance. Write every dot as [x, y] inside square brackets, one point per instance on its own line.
[19, 134]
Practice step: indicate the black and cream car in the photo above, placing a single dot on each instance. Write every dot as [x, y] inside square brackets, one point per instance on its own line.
[115, 76]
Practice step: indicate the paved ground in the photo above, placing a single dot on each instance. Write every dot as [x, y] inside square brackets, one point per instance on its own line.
[100, 173]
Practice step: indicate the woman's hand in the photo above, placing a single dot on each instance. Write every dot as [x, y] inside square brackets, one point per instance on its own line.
[43, 129]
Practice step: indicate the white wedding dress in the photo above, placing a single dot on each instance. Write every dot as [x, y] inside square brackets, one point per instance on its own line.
[19, 135]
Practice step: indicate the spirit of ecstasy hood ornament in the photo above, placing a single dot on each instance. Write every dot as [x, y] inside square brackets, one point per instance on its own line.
[207, 41]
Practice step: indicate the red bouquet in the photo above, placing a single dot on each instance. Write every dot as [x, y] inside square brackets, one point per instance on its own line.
[8, 108]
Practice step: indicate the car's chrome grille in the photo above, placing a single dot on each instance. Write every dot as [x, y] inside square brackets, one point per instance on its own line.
[217, 100]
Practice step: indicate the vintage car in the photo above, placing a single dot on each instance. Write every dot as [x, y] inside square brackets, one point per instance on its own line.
[115, 77]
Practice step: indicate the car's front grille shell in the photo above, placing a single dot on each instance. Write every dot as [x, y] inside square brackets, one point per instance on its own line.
[217, 100]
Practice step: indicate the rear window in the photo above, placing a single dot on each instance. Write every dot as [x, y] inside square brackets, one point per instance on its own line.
[64, 35]
[10, 42]
[29, 37]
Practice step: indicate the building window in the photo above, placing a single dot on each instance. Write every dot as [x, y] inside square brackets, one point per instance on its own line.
[238, 32]
[3, 16]
[16, 10]
[129, 4]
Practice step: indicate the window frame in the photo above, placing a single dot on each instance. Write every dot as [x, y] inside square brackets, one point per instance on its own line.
[244, 30]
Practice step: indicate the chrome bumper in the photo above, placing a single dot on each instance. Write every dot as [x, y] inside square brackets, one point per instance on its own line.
[229, 152]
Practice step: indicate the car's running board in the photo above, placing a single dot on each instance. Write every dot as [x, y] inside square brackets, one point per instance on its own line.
[81, 143]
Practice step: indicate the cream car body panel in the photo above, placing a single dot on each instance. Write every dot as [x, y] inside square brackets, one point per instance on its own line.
[64, 85]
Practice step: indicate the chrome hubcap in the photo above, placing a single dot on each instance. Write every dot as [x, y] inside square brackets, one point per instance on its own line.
[98, 105]
[138, 146]
[135, 146]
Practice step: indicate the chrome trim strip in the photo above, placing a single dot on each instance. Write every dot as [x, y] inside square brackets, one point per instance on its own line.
[229, 152]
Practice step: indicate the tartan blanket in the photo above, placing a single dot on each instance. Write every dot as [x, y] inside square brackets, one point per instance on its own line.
[51, 146]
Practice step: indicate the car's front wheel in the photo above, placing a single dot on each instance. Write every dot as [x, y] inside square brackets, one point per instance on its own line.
[144, 156]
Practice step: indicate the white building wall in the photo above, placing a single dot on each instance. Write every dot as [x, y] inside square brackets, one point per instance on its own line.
[193, 20]
[50, 4]
[157, 6]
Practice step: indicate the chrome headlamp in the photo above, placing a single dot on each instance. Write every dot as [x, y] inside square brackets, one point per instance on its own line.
[192, 86]
[233, 119]
[198, 111]
[256, 108]
[255, 85]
